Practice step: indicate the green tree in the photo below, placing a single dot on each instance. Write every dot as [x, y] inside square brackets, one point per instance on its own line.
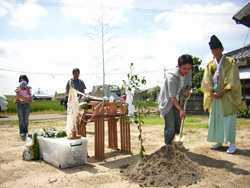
[197, 74]
[152, 92]
[145, 95]
[134, 82]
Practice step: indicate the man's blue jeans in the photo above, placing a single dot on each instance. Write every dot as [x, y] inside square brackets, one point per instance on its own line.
[172, 125]
[23, 112]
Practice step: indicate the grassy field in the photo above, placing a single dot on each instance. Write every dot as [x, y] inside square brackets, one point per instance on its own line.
[53, 106]
[197, 121]
[40, 107]
[194, 121]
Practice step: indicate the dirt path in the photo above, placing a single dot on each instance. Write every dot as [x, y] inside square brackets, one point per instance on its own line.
[219, 169]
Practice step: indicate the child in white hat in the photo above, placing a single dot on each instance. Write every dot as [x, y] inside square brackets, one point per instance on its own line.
[22, 91]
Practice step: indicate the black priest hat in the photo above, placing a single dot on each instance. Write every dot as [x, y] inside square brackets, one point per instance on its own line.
[214, 43]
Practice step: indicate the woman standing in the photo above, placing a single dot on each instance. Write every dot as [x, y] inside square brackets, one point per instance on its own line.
[23, 109]
[222, 95]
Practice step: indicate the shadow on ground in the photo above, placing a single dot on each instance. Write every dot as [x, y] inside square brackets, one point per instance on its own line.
[204, 160]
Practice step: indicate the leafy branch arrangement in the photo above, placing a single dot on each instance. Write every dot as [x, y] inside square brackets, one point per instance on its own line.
[52, 133]
[134, 83]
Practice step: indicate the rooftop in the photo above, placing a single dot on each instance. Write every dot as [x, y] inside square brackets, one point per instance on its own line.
[241, 53]
[243, 15]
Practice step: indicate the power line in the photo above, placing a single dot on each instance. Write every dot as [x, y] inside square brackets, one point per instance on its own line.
[55, 74]
[142, 10]
[33, 72]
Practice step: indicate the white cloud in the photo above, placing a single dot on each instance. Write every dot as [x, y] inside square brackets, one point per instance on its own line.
[4, 8]
[61, 56]
[171, 35]
[44, 56]
[28, 15]
[194, 29]
[190, 31]
[207, 59]
[3, 11]
[87, 11]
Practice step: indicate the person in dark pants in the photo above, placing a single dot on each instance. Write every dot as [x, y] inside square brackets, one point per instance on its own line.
[177, 84]
[23, 109]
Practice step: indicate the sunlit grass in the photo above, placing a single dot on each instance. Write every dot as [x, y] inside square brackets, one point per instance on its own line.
[192, 120]
[54, 107]
[197, 121]
[14, 122]
[153, 120]
[243, 121]
[196, 125]
[31, 121]
[38, 107]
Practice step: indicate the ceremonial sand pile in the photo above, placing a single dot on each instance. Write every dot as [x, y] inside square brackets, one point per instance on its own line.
[166, 167]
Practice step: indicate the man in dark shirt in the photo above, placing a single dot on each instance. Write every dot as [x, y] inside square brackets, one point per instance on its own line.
[76, 83]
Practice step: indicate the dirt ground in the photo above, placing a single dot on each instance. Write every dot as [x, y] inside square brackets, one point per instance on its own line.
[218, 168]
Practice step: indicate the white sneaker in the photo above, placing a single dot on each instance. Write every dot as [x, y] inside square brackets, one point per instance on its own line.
[22, 134]
[216, 146]
[184, 148]
[232, 148]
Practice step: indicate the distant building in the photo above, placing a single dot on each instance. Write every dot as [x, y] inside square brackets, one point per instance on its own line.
[242, 56]
[243, 15]
[40, 95]
[139, 94]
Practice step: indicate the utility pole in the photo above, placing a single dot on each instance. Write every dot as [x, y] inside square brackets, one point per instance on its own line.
[164, 72]
[103, 53]
[38, 92]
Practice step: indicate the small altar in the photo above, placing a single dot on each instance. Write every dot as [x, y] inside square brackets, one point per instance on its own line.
[63, 152]
[106, 111]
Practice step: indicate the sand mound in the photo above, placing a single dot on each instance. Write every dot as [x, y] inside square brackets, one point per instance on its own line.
[166, 167]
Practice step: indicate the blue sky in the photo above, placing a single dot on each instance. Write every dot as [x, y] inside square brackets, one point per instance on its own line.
[47, 39]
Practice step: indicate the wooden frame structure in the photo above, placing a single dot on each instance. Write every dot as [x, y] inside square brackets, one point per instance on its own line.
[101, 112]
